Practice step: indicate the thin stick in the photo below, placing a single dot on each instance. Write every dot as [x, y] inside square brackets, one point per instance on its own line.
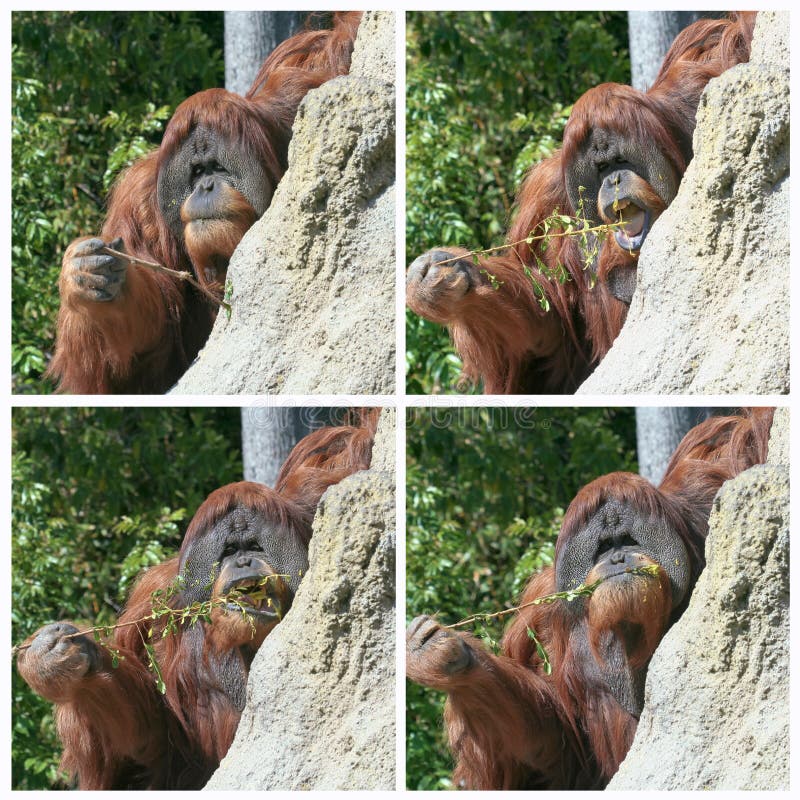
[97, 629]
[185, 276]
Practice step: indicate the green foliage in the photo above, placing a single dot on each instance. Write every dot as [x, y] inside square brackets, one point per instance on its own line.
[98, 494]
[486, 492]
[488, 95]
[91, 92]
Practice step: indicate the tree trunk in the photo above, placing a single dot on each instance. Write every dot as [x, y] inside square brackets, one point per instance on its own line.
[268, 436]
[650, 33]
[250, 36]
[658, 432]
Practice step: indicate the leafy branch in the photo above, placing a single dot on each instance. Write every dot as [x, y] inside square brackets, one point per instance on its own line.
[573, 226]
[167, 620]
[555, 226]
[584, 590]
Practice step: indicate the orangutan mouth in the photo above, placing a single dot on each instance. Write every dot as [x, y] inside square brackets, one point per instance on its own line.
[636, 222]
[254, 596]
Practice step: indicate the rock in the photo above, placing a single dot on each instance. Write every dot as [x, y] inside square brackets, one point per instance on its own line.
[320, 710]
[711, 309]
[716, 712]
[313, 280]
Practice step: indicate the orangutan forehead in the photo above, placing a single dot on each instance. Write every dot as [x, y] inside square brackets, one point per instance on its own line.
[243, 525]
[203, 141]
[617, 517]
[242, 519]
[240, 525]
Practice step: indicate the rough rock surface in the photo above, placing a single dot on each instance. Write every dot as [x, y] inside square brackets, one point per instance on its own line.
[716, 713]
[320, 710]
[313, 280]
[711, 308]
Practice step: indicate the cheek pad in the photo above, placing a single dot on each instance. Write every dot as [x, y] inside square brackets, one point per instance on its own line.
[285, 554]
[248, 177]
[581, 173]
[652, 165]
[172, 189]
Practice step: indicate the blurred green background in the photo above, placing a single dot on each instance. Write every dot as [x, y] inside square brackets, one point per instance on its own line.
[91, 91]
[487, 96]
[486, 490]
[97, 495]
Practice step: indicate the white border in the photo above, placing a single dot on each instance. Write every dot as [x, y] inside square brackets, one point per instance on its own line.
[400, 401]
